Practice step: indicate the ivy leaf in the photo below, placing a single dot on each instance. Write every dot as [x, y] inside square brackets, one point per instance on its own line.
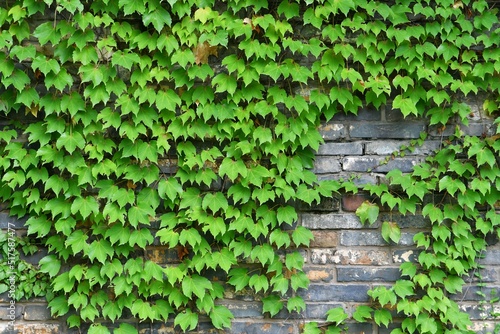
[215, 202]
[85, 206]
[272, 304]
[368, 212]
[186, 320]
[404, 288]
[382, 316]
[258, 283]
[50, 264]
[225, 259]
[406, 105]
[336, 315]
[100, 250]
[196, 285]
[124, 328]
[363, 313]
[159, 17]
[70, 141]
[221, 317]
[391, 232]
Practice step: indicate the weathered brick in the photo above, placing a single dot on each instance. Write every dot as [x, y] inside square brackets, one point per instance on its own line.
[379, 164]
[326, 204]
[331, 221]
[352, 202]
[36, 312]
[395, 130]
[405, 255]
[244, 309]
[37, 328]
[475, 293]
[360, 328]
[492, 257]
[350, 256]
[388, 147]
[358, 238]
[353, 148]
[319, 274]
[267, 326]
[395, 115]
[164, 256]
[364, 114]
[367, 274]
[333, 131]
[336, 293]
[327, 164]
[359, 179]
[406, 221]
[324, 239]
[7, 221]
[318, 310]
[10, 311]
[477, 129]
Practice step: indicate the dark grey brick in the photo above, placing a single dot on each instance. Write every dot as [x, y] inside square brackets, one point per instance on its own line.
[474, 293]
[326, 204]
[387, 147]
[405, 255]
[350, 256]
[10, 311]
[36, 257]
[396, 130]
[36, 312]
[378, 164]
[333, 131]
[327, 164]
[245, 309]
[477, 129]
[7, 221]
[318, 311]
[336, 293]
[267, 326]
[492, 257]
[395, 115]
[357, 238]
[331, 221]
[352, 148]
[366, 274]
[360, 328]
[364, 114]
[408, 221]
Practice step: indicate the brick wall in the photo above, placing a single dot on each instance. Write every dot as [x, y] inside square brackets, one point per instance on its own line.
[346, 259]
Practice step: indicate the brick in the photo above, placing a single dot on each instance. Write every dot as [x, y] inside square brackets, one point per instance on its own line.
[10, 311]
[485, 275]
[388, 147]
[331, 221]
[405, 255]
[352, 202]
[474, 293]
[36, 312]
[7, 221]
[37, 329]
[244, 309]
[350, 256]
[163, 256]
[354, 148]
[364, 114]
[378, 164]
[359, 179]
[318, 274]
[324, 239]
[332, 131]
[326, 164]
[357, 238]
[326, 204]
[492, 257]
[271, 327]
[34, 258]
[366, 274]
[477, 129]
[360, 328]
[318, 310]
[407, 221]
[336, 293]
[394, 130]
[395, 115]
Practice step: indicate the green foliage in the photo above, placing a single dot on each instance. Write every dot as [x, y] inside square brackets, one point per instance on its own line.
[194, 118]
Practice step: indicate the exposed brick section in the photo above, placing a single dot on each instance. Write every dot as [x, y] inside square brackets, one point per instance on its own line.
[405, 255]
[337, 292]
[366, 274]
[7, 221]
[350, 256]
[352, 202]
[318, 311]
[364, 114]
[36, 312]
[378, 164]
[38, 328]
[244, 309]
[354, 148]
[358, 238]
[10, 311]
[319, 274]
[396, 130]
[327, 204]
[331, 221]
[333, 131]
[387, 147]
[492, 257]
[324, 238]
[326, 164]
[408, 221]
[267, 326]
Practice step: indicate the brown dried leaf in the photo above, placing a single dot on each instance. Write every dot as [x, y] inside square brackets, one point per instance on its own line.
[202, 51]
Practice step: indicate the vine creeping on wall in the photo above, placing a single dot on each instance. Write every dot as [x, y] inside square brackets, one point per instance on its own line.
[193, 125]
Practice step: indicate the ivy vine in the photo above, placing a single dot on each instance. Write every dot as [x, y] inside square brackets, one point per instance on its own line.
[192, 125]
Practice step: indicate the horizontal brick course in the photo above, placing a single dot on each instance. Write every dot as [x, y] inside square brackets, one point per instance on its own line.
[365, 274]
[327, 164]
[331, 221]
[388, 147]
[352, 148]
[337, 293]
[333, 131]
[36, 312]
[395, 130]
[350, 256]
[358, 238]
[378, 164]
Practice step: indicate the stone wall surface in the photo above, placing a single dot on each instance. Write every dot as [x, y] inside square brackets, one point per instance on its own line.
[346, 258]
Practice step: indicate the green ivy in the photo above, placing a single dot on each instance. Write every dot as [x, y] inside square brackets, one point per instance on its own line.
[192, 125]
